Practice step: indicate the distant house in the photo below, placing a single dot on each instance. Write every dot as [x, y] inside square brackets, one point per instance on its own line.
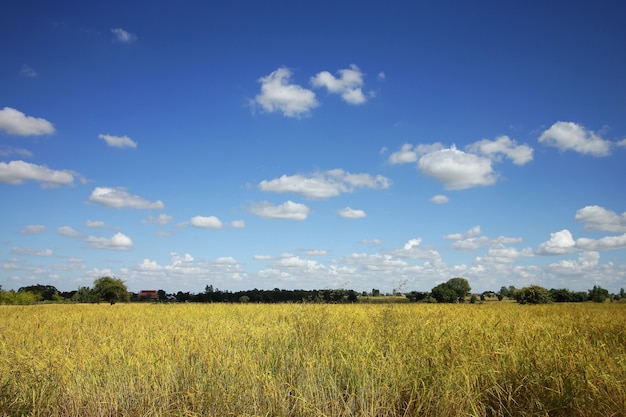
[148, 295]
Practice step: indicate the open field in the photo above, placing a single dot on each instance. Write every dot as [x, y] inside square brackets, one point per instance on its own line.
[313, 360]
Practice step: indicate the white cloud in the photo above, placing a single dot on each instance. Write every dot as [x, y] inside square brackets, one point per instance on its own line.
[348, 85]
[409, 153]
[33, 229]
[6, 151]
[118, 141]
[238, 224]
[456, 169]
[621, 143]
[161, 219]
[439, 199]
[119, 198]
[413, 249]
[501, 254]
[559, 243]
[210, 222]
[32, 252]
[598, 218]
[28, 72]
[573, 136]
[16, 172]
[68, 231]
[472, 240]
[473, 232]
[278, 94]
[519, 154]
[349, 213]
[118, 241]
[123, 36]
[94, 223]
[381, 76]
[15, 122]
[604, 243]
[288, 210]
[324, 184]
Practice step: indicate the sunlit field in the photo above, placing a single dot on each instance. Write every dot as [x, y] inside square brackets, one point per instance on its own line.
[493, 359]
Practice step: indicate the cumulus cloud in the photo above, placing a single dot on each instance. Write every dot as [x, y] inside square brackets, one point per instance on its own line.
[34, 229]
[409, 153]
[560, 243]
[16, 172]
[288, 210]
[15, 122]
[348, 84]
[598, 218]
[324, 184]
[123, 36]
[456, 169]
[572, 136]
[439, 199]
[278, 94]
[210, 222]
[503, 145]
[119, 198]
[118, 241]
[413, 249]
[118, 141]
[350, 213]
[68, 231]
[604, 243]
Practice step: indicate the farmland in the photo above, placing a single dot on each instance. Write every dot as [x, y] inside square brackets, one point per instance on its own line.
[494, 359]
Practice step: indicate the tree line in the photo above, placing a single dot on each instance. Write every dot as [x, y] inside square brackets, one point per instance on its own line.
[456, 290]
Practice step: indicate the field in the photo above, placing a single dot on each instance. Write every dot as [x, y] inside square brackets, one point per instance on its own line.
[493, 359]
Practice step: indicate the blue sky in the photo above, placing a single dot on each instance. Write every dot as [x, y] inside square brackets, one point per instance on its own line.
[313, 144]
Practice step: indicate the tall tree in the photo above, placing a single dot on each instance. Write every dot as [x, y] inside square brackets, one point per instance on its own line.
[110, 290]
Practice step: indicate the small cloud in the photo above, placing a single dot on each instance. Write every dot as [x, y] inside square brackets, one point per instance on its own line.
[210, 222]
[31, 252]
[118, 141]
[119, 198]
[572, 136]
[16, 172]
[28, 72]
[262, 257]
[503, 145]
[118, 241]
[288, 210]
[381, 76]
[94, 223]
[161, 219]
[439, 199]
[598, 218]
[14, 122]
[238, 224]
[348, 85]
[33, 229]
[68, 231]
[123, 36]
[278, 94]
[324, 184]
[349, 213]
[7, 151]
[456, 169]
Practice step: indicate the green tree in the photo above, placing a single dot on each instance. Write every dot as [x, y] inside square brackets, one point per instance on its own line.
[460, 286]
[444, 293]
[533, 295]
[110, 290]
[598, 294]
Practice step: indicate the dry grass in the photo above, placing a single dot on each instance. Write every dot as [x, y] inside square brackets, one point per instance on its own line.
[313, 360]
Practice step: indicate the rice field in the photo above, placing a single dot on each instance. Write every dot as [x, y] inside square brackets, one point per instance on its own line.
[492, 359]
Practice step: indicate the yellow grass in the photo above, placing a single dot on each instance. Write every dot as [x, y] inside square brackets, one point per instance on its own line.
[313, 360]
